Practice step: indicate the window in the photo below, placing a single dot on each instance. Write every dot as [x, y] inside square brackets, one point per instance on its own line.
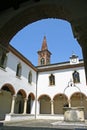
[30, 77]
[76, 78]
[51, 79]
[3, 60]
[48, 61]
[42, 61]
[19, 70]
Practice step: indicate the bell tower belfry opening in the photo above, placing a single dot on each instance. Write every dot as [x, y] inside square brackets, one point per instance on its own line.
[44, 55]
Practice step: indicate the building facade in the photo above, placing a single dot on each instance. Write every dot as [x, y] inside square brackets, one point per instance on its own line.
[28, 92]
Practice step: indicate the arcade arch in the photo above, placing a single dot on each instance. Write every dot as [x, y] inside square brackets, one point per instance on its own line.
[45, 104]
[6, 94]
[59, 101]
[19, 101]
[8, 87]
[31, 11]
[79, 99]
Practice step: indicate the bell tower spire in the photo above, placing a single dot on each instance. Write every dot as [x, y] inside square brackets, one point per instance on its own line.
[44, 54]
[44, 44]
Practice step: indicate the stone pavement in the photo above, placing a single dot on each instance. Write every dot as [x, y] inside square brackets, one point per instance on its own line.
[40, 124]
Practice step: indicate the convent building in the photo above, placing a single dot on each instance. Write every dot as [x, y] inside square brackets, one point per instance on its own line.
[34, 92]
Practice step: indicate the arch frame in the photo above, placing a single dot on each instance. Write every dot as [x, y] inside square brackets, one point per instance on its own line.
[10, 87]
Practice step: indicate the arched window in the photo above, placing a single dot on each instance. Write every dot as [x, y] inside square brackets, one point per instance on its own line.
[48, 61]
[30, 77]
[19, 70]
[51, 79]
[76, 78]
[42, 61]
[3, 60]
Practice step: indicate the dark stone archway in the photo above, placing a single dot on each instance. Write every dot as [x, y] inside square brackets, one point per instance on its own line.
[16, 15]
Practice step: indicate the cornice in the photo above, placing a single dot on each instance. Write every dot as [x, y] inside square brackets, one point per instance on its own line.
[50, 67]
[59, 67]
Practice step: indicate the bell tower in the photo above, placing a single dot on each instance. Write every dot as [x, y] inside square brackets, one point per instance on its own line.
[44, 54]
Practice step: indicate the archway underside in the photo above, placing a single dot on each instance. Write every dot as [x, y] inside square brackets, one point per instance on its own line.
[13, 19]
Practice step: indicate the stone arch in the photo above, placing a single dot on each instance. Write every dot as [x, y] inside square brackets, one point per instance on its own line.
[61, 95]
[45, 104]
[79, 100]
[32, 96]
[29, 15]
[59, 101]
[8, 87]
[22, 92]
[31, 12]
[7, 91]
[44, 95]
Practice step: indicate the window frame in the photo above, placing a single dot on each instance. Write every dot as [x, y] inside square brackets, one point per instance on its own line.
[30, 77]
[51, 80]
[19, 70]
[76, 77]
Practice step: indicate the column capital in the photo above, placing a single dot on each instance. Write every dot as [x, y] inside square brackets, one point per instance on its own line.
[52, 101]
[14, 96]
[25, 99]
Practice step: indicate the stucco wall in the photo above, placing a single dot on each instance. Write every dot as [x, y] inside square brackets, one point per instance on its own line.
[9, 75]
[62, 77]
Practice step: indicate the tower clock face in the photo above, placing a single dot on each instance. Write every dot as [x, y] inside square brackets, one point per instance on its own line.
[74, 60]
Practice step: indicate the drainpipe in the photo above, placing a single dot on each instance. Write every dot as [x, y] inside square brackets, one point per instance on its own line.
[36, 95]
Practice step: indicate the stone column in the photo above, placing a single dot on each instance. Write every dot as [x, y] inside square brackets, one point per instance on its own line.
[25, 105]
[69, 102]
[13, 104]
[52, 107]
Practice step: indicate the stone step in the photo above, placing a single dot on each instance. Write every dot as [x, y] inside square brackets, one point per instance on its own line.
[31, 128]
[43, 125]
[36, 128]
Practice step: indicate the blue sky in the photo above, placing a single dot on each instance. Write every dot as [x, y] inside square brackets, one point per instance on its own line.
[60, 40]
